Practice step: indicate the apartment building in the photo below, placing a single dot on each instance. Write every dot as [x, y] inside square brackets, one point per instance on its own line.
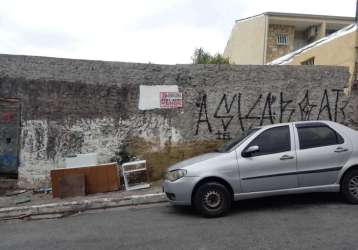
[263, 38]
[338, 49]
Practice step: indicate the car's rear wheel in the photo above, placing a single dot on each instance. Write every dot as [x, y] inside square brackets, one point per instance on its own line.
[350, 186]
[212, 199]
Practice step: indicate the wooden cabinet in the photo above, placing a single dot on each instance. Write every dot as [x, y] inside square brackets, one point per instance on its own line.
[98, 179]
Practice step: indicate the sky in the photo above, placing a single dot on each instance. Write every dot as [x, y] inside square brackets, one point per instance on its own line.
[155, 31]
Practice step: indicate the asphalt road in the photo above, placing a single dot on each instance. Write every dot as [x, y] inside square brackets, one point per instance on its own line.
[315, 221]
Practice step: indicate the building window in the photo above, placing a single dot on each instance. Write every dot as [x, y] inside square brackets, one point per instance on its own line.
[308, 61]
[282, 39]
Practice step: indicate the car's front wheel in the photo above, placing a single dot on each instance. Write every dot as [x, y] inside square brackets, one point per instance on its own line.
[212, 199]
[350, 186]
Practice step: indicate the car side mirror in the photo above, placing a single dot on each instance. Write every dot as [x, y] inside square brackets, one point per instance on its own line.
[250, 150]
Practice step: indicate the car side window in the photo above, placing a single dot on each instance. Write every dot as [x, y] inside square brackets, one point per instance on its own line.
[272, 141]
[318, 136]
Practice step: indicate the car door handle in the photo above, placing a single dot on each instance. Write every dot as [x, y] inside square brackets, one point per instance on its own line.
[340, 149]
[287, 157]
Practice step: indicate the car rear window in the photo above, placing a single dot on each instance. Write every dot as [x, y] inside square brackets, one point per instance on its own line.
[318, 136]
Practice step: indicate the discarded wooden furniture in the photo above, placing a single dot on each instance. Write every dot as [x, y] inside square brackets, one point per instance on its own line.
[135, 175]
[98, 179]
[72, 185]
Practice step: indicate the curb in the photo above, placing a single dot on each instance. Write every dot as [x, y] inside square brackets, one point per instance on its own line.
[61, 209]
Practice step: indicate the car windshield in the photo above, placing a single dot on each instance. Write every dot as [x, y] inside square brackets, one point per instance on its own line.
[226, 147]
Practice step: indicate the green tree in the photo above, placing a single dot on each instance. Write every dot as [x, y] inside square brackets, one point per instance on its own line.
[200, 56]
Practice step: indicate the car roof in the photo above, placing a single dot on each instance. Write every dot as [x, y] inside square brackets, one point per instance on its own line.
[311, 122]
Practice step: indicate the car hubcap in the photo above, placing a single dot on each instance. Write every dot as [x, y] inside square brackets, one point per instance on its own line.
[212, 199]
[353, 186]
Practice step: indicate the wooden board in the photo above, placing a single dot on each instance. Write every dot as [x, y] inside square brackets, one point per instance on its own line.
[72, 185]
[99, 179]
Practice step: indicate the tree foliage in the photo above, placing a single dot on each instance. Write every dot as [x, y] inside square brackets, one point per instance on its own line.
[203, 57]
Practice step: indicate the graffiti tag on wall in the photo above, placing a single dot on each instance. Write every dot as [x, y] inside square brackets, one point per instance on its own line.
[7, 117]
[267, 109]
[8, 161]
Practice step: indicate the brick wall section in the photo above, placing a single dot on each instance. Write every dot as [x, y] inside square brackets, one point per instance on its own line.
[275, 51]
[79, 106]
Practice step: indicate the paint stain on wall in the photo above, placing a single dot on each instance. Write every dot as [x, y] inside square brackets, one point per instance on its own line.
[9, 135]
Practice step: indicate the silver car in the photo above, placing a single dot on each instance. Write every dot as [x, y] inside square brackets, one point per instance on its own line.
[286, 158]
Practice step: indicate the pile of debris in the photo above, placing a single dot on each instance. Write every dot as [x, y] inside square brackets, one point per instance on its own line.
[81, 176]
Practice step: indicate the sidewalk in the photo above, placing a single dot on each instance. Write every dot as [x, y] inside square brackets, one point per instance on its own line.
[42, 206]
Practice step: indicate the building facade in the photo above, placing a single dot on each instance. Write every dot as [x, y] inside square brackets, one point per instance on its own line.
[266, 37]
[338, 49]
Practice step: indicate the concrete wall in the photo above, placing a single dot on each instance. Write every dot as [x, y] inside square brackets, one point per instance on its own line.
[246, 44]
[78, 106]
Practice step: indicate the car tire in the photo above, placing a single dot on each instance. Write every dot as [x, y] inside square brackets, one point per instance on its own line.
[212, 199]
[350, 186]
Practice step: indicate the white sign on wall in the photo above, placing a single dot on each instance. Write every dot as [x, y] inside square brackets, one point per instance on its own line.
[159, 96]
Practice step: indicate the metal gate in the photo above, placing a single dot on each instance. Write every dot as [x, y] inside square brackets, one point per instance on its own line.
[9, 135]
